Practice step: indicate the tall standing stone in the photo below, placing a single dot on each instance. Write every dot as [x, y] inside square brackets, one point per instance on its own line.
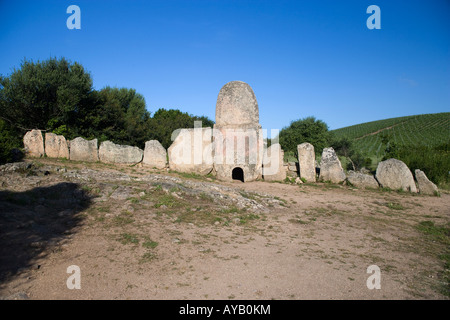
[238, 140]
[34, 143]
[155, 155]
[307, 161]
[425, 185]
[330, 167]
[395, 174]
[83, 150]
[56, 146]
[273, 164]
[110, 152]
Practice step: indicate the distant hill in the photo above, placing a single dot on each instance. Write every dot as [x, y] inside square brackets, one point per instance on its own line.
[426, 129]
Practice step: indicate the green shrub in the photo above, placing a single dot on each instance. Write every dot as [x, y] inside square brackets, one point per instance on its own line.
[9, 142]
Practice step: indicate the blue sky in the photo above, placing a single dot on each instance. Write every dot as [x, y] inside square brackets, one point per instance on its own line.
[302, 58]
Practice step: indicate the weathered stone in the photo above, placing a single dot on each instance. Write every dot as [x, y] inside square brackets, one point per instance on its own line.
[110, 152]
[236, 105]
[238, 139]
[191, 151]
[307, 161]
[362, 180]
[34, 143]
[155, 155]
[395, 174]
[330, 167]
[273, 168]
[425, 185]
[56, 146]
[83, 150]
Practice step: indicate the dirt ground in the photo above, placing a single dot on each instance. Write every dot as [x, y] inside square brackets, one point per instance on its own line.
[316, 241]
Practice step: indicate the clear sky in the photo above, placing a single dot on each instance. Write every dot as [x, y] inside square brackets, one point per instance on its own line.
[302, 58]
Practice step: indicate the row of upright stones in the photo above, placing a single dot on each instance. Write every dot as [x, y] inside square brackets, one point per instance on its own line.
[236, 111]
[79, 149]
[391, 173]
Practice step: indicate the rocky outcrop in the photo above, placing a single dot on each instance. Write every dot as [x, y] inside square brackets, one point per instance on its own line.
[56, 146]
[330, 167]
[395, 174]
[83, 150]
[155, 155]
[362, 180]
[110, 152]
[425, 185]
[191, 151]
[34, 144]
[273, 168]
[306, 161]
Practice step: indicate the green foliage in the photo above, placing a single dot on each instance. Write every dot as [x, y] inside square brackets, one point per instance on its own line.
[421, 141]
[45, 95]
[345, 147]
[120, 116]
[9, 142]
[434, 161]
[305, 130]
[57, 96]
[165, 122]
[425, 130]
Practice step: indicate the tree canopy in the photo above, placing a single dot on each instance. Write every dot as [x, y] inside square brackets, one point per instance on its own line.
[305, 130]
[58, 96]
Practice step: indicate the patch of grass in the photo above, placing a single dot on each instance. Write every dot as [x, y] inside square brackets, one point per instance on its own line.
[395, 206]
[248, 217]
[166, 200]
[104, 209]
[298, 220]
[441, 235]
[133, 200]
[188, 175]
[150, 244]
[436, 233]
[128, 238]
[123, 219]
[147, 257]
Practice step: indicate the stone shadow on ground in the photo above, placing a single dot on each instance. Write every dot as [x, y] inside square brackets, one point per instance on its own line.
[36, 221]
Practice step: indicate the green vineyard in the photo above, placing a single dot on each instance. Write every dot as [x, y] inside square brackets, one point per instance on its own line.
[430, 130]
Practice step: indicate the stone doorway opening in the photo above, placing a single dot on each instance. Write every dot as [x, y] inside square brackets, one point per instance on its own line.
[237, 174]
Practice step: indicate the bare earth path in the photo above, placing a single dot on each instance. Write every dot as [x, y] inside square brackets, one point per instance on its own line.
[134, 238]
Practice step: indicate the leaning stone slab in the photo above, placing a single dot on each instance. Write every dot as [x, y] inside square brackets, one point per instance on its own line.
[110, 152]
[273, 165]
[362, 180]
[425, 185]
[330, 167]
[307, 161]
[83, 150]
[155, 155]
[56, 146]
[395, 174]
[34, 143]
